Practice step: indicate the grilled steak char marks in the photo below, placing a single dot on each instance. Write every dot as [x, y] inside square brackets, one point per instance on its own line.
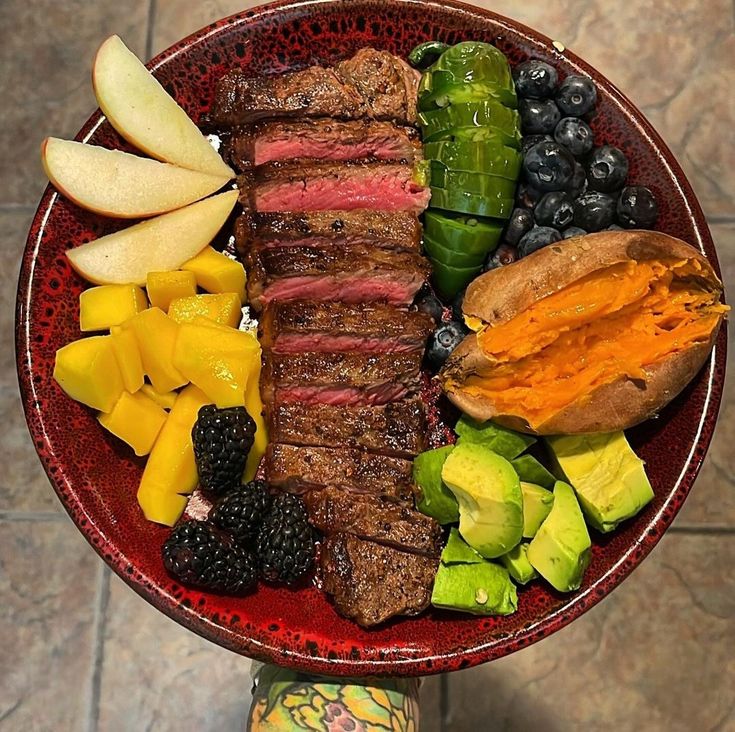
[299, 325]
[321, 139]
[397, 428]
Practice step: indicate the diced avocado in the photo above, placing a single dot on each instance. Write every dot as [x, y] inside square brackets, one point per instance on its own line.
[458, 551]
[560, 551]
[530, 470]
[436, 499]
[537, 503]
[481, 589]
[489, 495]
[608, 477]
[517, 564]
[499, 439]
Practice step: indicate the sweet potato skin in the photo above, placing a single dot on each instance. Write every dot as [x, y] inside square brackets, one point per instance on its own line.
[499, 295]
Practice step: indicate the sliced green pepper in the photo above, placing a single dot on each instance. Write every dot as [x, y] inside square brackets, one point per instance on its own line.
[449, 281]
[441, 93]
[476, 157]
[476, 134]
[472, 61]
[487, 113]
[489, 186]
[458, 232]
[452, 258]
[471, 203]
[425, 53]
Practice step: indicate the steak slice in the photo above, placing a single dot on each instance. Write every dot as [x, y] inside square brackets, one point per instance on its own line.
[302, 325]
[398, 428]
[321, 139]
[373, 84]
[371, 582]
[389, 230]
[342, 379]
[354, 274]
[376, 518]
[301, 469]
[303, 185]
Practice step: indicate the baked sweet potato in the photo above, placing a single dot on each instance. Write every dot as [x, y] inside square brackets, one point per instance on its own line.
[593, 334]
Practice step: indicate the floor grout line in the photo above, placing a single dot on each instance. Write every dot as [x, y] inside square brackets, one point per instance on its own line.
[150, 29]
[444, 708]
[32, 516]
[102, 598]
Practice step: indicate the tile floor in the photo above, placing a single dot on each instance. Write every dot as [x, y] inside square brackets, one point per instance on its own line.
[82, 652]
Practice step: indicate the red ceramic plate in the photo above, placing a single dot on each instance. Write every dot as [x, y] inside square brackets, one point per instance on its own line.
[96, 476]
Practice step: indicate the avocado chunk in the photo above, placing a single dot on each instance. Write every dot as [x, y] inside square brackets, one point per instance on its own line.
[490, 499]
[560, 551]
[537, 503]
[458, 551]
[608, 477]
[517, 564]
[436, 499]
[499, 439]
[530, 470]
[483, 588]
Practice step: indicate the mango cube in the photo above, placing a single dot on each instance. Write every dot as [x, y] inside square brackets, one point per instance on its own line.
[216, 272]
[87, 371]
[165, 400]
[128, 357]
[102, 307]
[163, 287]
[254, 407]
[156, 335]
[230, 337]
[223, 308]
[135, 419]
[171, 468]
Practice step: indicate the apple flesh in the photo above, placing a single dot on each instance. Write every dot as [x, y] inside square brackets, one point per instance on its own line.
[156, 245]
[116, 183]
[139, 108]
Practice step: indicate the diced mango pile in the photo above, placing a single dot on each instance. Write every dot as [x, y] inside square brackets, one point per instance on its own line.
[170, 350]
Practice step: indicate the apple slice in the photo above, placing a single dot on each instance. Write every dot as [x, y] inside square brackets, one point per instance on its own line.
[156, 245]
[116, 183]
[139, 108]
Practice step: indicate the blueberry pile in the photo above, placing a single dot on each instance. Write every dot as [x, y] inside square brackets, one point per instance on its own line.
[569, 187]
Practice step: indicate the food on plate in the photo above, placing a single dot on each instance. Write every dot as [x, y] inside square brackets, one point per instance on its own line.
[489, 495]
[537, 503]
[530, 470]
[560, 550]
[223, 308]
[136, 419]
[517, 564]
[608, 478]
[614, 326]
[140, 109]
[500, 440]
[446, 337]
[165, 287]
[165, 399]
[435, 499]
[116, 183]
[158, 244]
[241, 511]
[101, 308]
[217, 273]
[129, 360]
[486, 121]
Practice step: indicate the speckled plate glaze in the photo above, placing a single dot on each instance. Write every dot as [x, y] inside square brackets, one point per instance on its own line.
[95, 476]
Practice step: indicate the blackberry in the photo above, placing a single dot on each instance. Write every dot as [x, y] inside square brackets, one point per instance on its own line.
[285, 540]
[240, 511]
[222, 440]
[197, 555]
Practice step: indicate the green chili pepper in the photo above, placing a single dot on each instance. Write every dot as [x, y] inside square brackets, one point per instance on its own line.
[450, 257]
[476, 157]
[425, 53]
[443, 94]
[461, 232]
[476, 134]
[449, 281]
[488, 186]
[487, 113]
[471, 203]
[472, 61]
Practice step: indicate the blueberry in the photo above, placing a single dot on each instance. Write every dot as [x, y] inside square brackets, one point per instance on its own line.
[457, 306]
[535, 79]
[607, 169]
[548, 166]
[576, 96]
[554, 209]
[537, 238]
[578, 184]
[529, 141]
[443, 341]
[637, 208]
[572, 231]
[430, 304]
[504, 255]
[527, 196]
[538, 117]
[576, 136]
[520, 223]
[594, 211]
[614, 227]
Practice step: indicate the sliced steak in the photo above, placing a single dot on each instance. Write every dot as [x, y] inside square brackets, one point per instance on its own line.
[399, 230]
[301, 469]
[371, 582]
[397, 429]
[376, 518]
[303, 325]
[303, 185]
[373, 84]
[321, 139]
[355, 274]
[341, 379]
